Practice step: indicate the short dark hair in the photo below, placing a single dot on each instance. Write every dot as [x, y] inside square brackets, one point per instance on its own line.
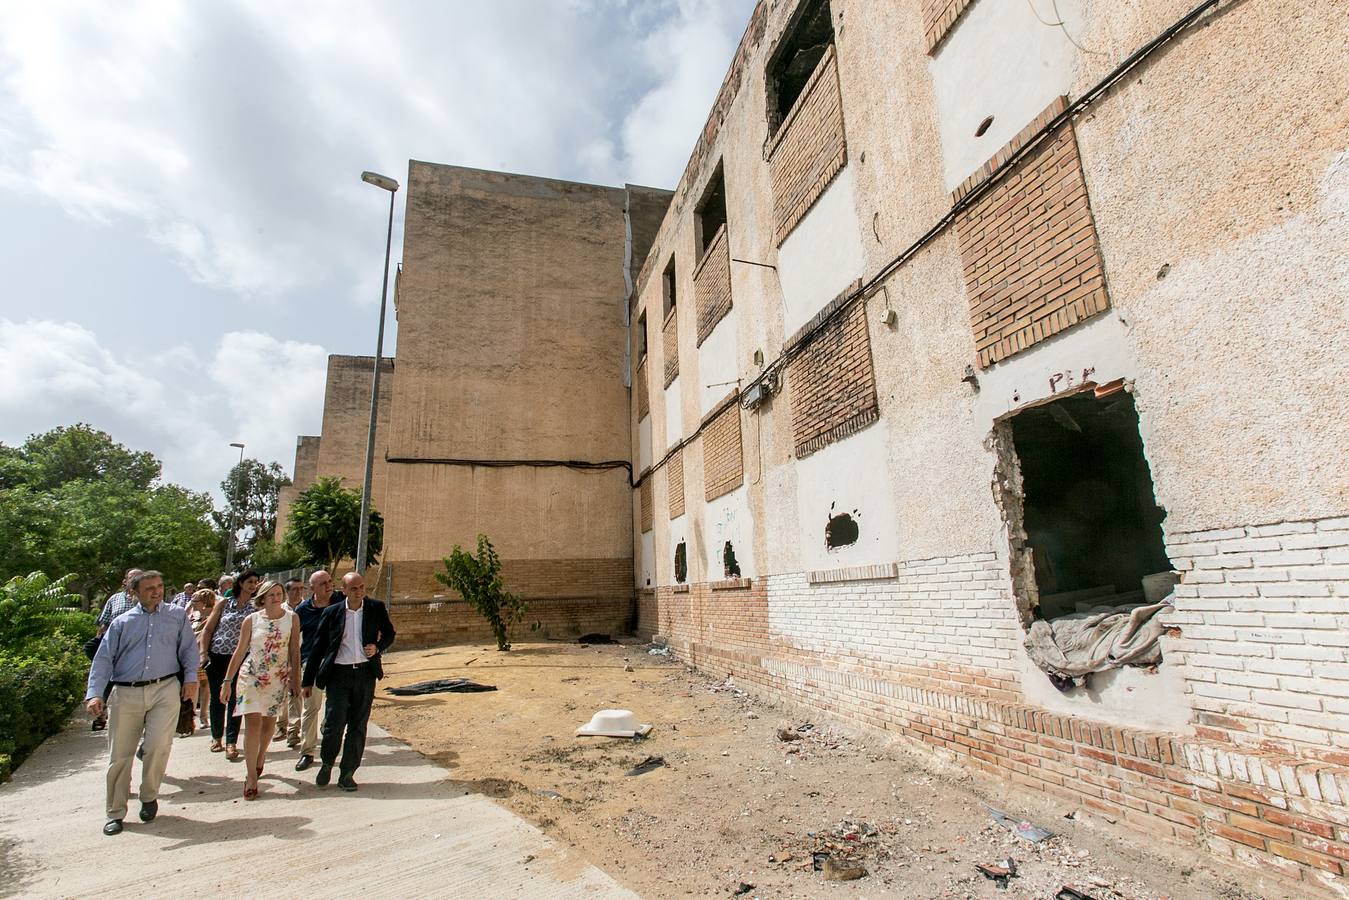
[135, 582]
[290, 581]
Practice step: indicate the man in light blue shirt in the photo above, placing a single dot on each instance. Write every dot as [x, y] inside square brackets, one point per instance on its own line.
[149, 658]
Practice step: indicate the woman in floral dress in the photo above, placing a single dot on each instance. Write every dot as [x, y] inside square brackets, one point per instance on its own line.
[267, 661]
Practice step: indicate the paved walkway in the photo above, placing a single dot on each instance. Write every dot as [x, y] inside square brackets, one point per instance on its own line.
[410, 831]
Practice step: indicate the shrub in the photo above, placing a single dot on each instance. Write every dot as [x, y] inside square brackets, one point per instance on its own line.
[38, 690]
[477, 578]
[34, 607]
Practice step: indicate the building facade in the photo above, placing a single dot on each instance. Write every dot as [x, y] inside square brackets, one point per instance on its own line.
[967, 315]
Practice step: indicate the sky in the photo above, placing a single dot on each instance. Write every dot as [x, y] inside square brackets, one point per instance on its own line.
[183, 229]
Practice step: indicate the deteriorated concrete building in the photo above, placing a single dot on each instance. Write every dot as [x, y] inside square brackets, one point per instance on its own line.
[964, 317]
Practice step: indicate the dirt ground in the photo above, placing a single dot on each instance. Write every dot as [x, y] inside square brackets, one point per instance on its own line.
[737, 810]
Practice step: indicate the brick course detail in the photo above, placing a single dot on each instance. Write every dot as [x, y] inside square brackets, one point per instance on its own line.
[833, 386]
[643, 391]
[723, 463]
[647, 505]
[1029, 250]
[669, 334]
[938, 18]
[674, 473]
[809, 149]
[712, 285]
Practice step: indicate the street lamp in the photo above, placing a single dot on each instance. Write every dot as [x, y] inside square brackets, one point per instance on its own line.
[388, 184]
[234, 508]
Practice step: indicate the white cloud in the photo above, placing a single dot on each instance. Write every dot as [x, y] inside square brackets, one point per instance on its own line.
[61, 366]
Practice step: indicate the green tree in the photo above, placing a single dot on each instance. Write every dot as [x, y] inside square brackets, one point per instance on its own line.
[477, 578]
[325, 522]
[74, 500]
[34, 608]
[251, 492]
[268, 555]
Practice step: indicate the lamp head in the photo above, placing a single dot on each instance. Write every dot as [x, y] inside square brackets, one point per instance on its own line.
[240, 446]
[380, 181]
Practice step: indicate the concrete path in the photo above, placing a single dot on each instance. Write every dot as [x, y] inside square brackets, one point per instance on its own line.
[410, 831]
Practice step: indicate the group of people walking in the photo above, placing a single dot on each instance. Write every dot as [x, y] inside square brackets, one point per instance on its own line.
[258, 653]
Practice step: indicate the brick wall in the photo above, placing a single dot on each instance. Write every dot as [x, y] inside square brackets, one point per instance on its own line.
[647, 504]
[670, 346]
[1262, 612]
[429, 623]
[809, 148]
[646, 614]
[723, 462]
[674, 474]
[832, 384]
[530, 578]
[938, 17]
[712, 285]
[1028, 247]
[642, 390]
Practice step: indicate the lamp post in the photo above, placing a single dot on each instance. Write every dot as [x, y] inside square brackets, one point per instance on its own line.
[362, 534]
[234, 508]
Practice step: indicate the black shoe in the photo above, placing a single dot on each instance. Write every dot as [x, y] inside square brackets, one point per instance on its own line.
[114, 826]
[140, 752]
[149, 810]
[98, 724]
[325, 775]
[305, 762]
[346, 782]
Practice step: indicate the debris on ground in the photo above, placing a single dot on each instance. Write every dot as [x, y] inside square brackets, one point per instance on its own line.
[742, 889]
[659, 651]
[551, 795]
[1021, 828]
[835, 870]
[788, 734]
[999, 872]
[1068, 892]
[650, 764]
[441, 686]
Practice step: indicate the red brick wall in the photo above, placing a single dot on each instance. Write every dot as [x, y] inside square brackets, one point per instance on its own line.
[429, 623]
[723, 463]
[938, 17]
[530, 578]
[712, 285]
[674, 473]
[832, 384]
[809, 148]
[670, 346]
[1029, 250]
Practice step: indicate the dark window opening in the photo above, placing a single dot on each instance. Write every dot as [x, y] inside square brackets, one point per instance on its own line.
[841, 530]
[709, 216]
[641, 338]
[1093, 527]
[807, 37]
[729, 562]
[681, 563]
[669, 288]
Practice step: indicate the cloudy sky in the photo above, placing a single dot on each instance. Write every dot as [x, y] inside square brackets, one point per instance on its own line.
[183, 229]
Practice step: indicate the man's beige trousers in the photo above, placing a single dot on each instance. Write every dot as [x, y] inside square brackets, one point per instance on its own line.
[150, 712]
[310, 718]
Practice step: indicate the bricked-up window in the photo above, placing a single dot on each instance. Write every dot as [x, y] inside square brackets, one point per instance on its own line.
[674, 470]
[641, 339]
[669, 288]
[640, 382]
[832, 382]
[1031, 259]
[804, 42]
[647, 505]
[709, 216]
[1092, 527]
[723, 462]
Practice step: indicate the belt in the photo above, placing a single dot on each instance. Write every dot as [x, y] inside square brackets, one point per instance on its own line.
[359, 665]
[144, 683]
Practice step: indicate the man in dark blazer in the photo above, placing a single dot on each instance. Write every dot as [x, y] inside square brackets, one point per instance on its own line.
[345, 661]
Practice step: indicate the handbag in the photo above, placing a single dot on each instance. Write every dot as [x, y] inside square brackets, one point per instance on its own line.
[187, 720]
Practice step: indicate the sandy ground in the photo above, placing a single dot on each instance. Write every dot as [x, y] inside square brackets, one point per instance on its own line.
[738, 809]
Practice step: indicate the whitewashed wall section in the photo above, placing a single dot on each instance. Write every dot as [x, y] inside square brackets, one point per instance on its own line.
[727, 518]
[822, 256]
[717, 371]
[644, 444]
[848, 483]
[1001, 60]
[674, 415]
[646, 566]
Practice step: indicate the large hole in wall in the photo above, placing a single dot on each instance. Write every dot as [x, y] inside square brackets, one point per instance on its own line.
[681, 563]
[730, 565]
[841, 530]
[1091, 523]
[804, 41]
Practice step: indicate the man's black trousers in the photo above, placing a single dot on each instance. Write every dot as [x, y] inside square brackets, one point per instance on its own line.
[346, 710]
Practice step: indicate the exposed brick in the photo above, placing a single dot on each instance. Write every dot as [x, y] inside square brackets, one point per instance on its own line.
[832, 383]
[723, 461]
[674, 474]
[647, 505]
[938, 17]
[809, 149]
[670, 346]
[712, 285]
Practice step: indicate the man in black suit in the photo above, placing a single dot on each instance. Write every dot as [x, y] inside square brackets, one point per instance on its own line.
[345, 661]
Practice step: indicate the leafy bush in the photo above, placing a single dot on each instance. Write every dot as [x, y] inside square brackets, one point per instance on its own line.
[477, 578]
[42, 669]
[34, 608]
[38, 690]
